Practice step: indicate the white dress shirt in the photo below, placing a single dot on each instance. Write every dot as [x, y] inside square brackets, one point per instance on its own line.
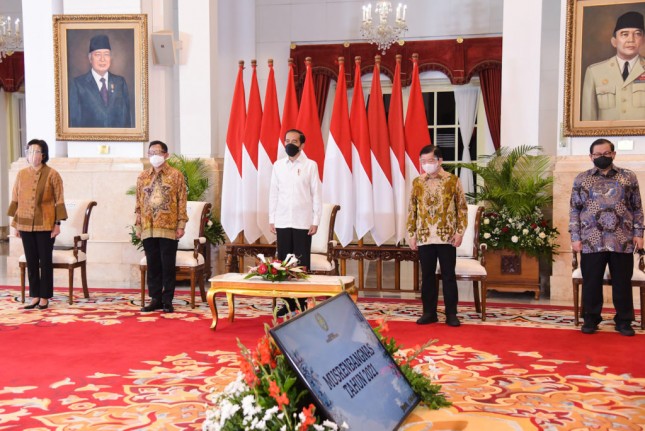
[97, 79]
[295, 199]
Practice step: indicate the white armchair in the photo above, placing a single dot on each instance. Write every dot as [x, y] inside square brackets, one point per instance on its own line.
[322, 243]
[469, 266]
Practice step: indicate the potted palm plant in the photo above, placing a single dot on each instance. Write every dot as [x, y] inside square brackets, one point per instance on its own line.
[515, 188]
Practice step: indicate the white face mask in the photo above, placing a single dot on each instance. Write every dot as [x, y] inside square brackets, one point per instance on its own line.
[157, 160]
[430, 168]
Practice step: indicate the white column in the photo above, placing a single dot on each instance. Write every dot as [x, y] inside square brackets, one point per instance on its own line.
[521, 73]
[39, 71]
[197, 24]
[236, 41]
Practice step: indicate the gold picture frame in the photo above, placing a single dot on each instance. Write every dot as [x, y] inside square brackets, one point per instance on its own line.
[85, 111]
[600, 106]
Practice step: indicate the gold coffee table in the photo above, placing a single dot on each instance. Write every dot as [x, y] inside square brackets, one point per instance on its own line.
[234, 283]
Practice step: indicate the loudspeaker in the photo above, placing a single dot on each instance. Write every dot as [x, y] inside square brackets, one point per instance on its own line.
[164, 48]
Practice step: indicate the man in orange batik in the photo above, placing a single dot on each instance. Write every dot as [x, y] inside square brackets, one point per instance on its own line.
[437, 220]
[161, 219]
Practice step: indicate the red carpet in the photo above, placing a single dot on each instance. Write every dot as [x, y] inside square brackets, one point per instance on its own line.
[103, 365]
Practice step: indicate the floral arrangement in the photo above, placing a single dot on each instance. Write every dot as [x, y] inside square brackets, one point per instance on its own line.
[277, 270]
[531, 234]
[267, 395]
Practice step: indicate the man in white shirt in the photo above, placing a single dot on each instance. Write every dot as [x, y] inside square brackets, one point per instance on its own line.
[295, 205]
[614, 89]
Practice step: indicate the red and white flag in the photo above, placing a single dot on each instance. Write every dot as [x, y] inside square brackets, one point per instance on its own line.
[309, 123]
[289, 111]
[231, 213]
[250, 161]
[416, 127]
[383, 200]
[338, 162]
[361, 158]
[397, 144]
[267, 152]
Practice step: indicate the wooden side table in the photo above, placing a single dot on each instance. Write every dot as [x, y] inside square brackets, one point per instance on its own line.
[235, 284]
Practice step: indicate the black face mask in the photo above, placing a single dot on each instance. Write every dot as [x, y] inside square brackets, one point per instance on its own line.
[292, 150]
[602, 162]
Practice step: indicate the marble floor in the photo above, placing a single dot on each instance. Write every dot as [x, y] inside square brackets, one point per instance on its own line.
[465, 288]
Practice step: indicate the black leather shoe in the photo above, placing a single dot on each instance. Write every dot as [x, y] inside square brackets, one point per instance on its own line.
[625, 330]
[283, 311]
[168, 308]
[452, 320]
[589, 328]
[427, 318]
[43, 307]
[32, 305]
[155, 304]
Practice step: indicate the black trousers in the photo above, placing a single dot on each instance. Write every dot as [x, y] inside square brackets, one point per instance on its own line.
[621, 268]
[39, 247]
[161, 255]
[447, 256]
[298, 242]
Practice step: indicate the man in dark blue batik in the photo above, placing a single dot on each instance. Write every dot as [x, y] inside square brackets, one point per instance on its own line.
[606, 227]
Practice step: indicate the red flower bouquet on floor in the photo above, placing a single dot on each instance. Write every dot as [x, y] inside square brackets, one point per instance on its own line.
[276, 270]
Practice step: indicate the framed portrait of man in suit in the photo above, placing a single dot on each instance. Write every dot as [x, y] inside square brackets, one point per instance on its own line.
[604, 68]
[101, 64]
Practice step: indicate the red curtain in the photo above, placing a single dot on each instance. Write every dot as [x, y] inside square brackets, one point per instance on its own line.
[12, 72]
[491, 85]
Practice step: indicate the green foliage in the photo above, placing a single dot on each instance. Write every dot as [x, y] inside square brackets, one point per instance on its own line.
[514, 180]
[195, 173]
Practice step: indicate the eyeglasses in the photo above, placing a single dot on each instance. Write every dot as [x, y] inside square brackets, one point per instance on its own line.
[605, 154]
[34, 152]
[431, 161]
[156, 153]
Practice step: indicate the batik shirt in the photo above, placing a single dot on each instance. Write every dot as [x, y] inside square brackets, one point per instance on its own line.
[161, 203]
[606, 211]
[437, 209]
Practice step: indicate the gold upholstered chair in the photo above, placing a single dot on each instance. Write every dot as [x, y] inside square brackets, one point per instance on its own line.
[469, 266]
[191, 263]
[70, 248]
[638, 282]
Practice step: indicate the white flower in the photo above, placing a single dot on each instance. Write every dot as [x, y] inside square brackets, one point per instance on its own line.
[486, 235]
[209, 224]
[486, 220]
[514, 238]
[542, 235]
[329, 424]
[261, 257]
[525, 231]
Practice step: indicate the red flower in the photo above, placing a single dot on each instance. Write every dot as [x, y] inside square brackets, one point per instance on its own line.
[505, 229]
[273, 270]
[264, 355]
[262, 269]
[309, 419]
[248, 371]
[533, 225]
[544, 223]
[280, 398]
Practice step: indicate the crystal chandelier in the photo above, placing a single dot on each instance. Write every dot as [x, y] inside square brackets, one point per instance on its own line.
[10, 36]
[383, 33]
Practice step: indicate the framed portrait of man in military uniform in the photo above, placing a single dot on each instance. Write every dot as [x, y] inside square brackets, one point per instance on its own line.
[605, 68]
[101, 65]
